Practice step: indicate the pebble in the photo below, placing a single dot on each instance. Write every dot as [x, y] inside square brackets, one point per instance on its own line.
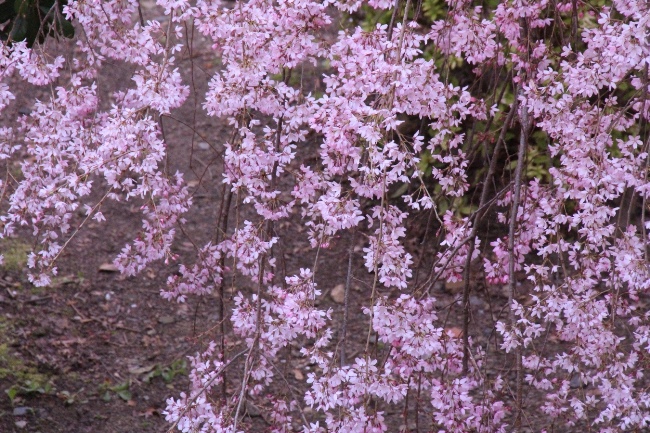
[475, 301]
[166, 320]
[21, 411]
[576, 382]
[338, 294]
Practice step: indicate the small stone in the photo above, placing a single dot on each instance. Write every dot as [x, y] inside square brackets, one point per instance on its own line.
[576, 382]
[21, 411]
[166, 320]
[203, 145]
[21, 424]
[475, 301]
[338, 294]
[108, 267]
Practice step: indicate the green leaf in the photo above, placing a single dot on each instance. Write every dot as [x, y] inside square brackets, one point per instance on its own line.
[124, 394]
[400, 191]
[12, 393]
[7, 11]
[167, 375]
[152, 374]
[34, 28]
[66, 28]
[32, 387]
[21, 6]
[18, 30]
[443, 206]
[33, 20]
[45, 9]
[121, 387]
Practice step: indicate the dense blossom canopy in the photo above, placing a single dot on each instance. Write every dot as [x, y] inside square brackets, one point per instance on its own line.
[567, 81]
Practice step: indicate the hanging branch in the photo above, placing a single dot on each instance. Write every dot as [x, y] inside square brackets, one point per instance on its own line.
[477, 219]
[512, 282]
[346, 298]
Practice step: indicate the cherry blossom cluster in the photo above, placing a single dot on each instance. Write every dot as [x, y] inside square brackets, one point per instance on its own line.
[489, 88]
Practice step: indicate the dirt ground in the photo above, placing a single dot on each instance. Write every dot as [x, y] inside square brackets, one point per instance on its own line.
[97, 352]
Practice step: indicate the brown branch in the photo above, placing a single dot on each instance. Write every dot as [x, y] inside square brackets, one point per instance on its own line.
[512, 283]
[346, 299]
[479, 214]
[205, 387]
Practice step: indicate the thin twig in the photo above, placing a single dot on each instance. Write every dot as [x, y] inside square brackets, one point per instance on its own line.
[477, 220]
[432, 279]
[205, 387]
[346, 299]
[258, 333]
[512, 283]
[391, 26]
[289, 387]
